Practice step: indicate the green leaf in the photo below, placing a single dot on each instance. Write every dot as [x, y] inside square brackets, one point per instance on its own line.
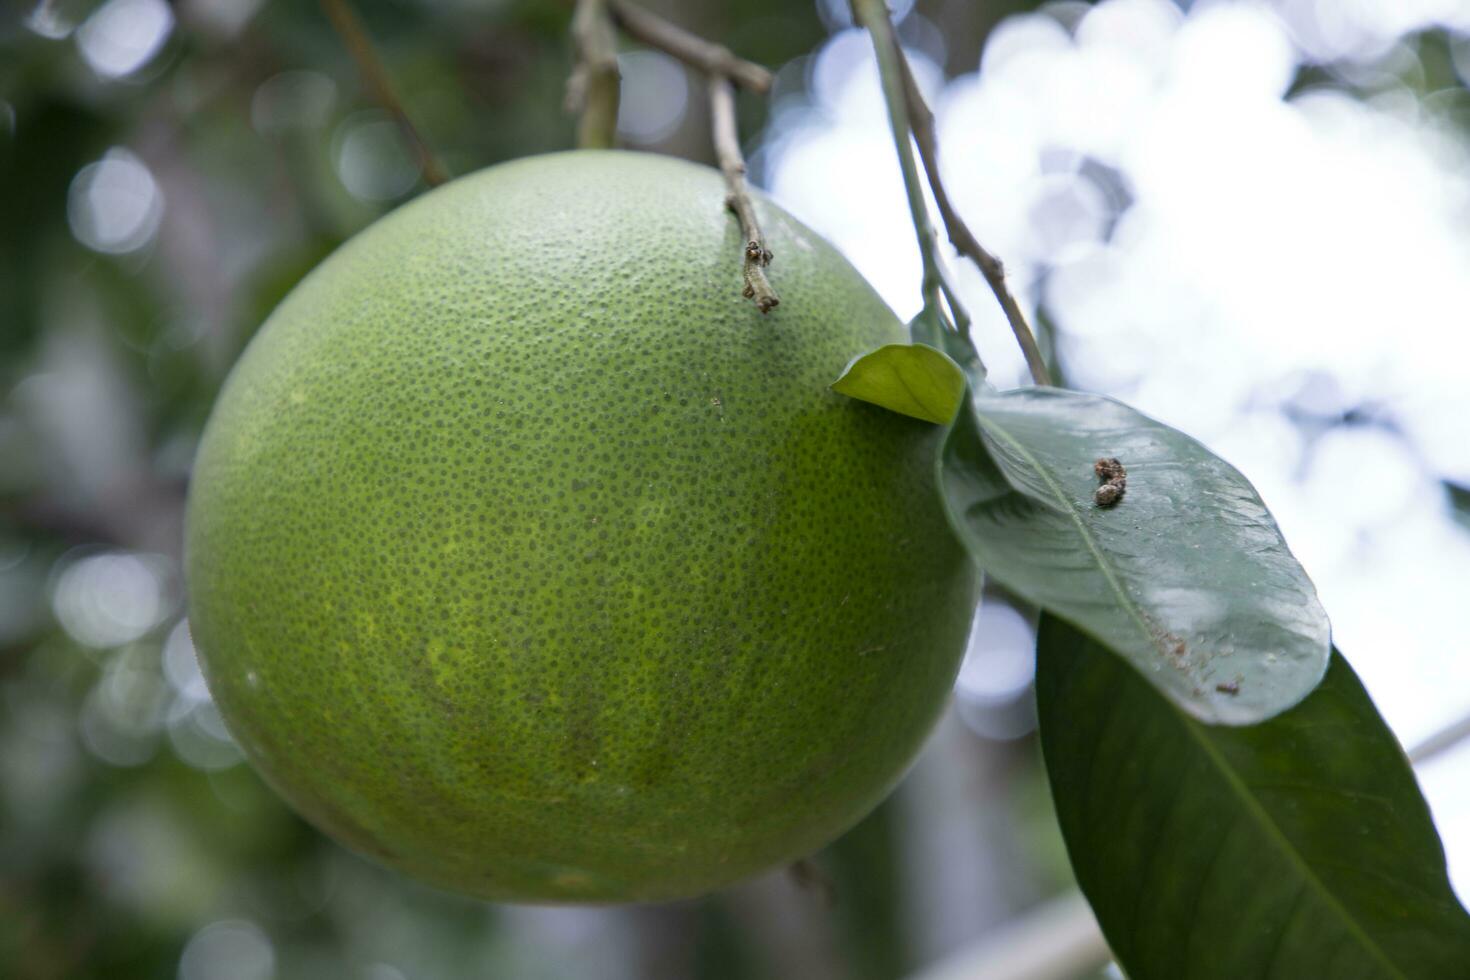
[1297, 848]
[910, 379]
[1187, 576]
[928, 327]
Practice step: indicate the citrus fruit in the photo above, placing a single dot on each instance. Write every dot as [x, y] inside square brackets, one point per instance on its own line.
[527, 557]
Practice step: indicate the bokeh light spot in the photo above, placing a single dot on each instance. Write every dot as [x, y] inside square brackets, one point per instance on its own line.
[123, 714]
[181, 665]
[232, 949]
[110, 599]
[992, 690]
[114, 205]
[373, 162]
[123, 35]
[49, 21]
[654, 96]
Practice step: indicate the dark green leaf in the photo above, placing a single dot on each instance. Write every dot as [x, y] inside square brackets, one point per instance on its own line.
[1187, 576]
[1459, 495]
[910, 379]
[1297, 849]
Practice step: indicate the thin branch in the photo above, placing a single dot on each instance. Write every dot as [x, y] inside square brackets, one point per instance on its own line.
[593, 87]
[873, 16]
[345, 21]
[921, 121]
[723, 70]
[1056, 940]
[1441, 741]
[732, 164]
[708, 57]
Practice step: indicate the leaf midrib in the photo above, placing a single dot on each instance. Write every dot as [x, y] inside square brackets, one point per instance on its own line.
[1125, 600]
[1278, 836]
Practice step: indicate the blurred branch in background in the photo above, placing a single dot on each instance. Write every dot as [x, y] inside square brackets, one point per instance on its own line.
[593, 86]
[1058, 940]
[710, 58]
[1440, 742]
[354, 36]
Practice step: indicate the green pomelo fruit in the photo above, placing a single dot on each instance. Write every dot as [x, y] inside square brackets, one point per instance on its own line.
[529, 558]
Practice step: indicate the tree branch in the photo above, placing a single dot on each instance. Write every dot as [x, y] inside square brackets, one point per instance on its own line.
[921, 121]
[723, 70]
[1056, 940]
[710, 58]
[872, 15]
[1441, 741]
[593, 87]
[347, 25]
[732, 165]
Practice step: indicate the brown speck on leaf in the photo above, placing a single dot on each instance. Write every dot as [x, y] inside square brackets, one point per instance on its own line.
[1107, 495]
[1114, 481]
[1228, 687]
[1174, 645]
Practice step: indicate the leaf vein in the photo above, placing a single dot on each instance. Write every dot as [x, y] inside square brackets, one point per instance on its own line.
[1125, 600]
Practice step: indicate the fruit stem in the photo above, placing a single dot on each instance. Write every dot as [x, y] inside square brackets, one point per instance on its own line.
[732, 165]
[349, 27]
[921, 121]
[724, 71]
[712, 59]
[593, 87]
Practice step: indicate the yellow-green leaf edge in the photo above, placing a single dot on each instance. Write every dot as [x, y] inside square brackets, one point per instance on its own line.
[911, 379]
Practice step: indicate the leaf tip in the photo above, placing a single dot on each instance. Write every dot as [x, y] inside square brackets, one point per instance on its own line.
[911, 379]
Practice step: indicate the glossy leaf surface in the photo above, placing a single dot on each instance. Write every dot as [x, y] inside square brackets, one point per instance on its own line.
[1187, 576]
[1297, 848]
[911, 379]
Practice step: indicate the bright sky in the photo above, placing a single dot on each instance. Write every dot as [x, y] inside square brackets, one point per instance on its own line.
[1240, 264]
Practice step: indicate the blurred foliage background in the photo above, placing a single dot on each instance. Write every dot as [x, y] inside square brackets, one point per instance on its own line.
[167, 173]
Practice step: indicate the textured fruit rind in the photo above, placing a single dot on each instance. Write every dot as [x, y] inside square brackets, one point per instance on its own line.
[528, 558]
